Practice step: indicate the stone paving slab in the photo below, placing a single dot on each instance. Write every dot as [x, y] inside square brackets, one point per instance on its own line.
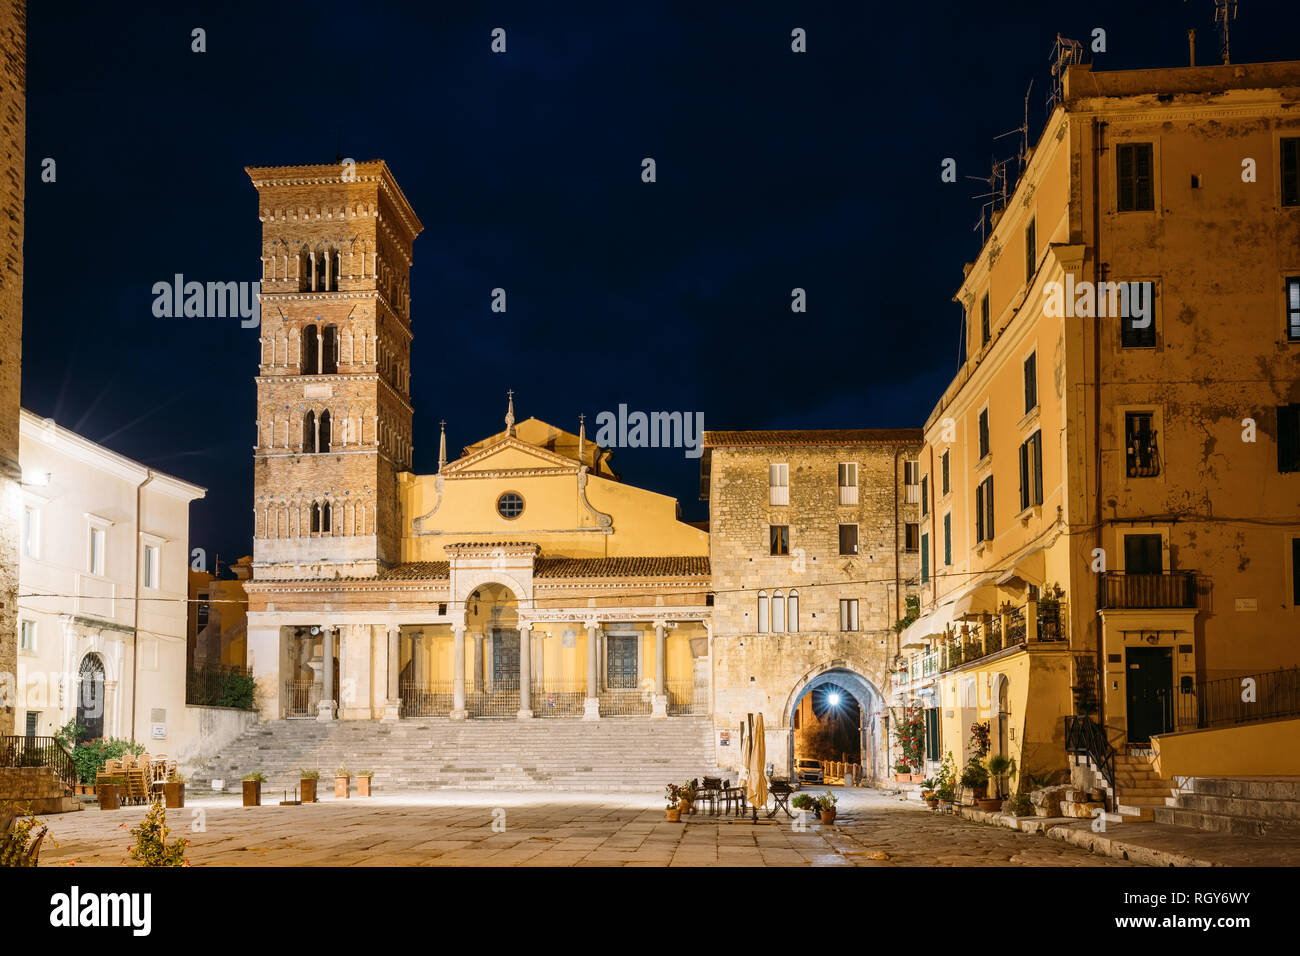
[447, 828]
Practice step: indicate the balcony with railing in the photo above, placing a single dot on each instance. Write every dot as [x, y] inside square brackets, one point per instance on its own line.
[1163, 589]
[1010, 627]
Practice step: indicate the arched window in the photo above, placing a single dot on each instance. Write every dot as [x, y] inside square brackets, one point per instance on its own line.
[762, 612]
[315, 517]
[304, 270]
[323, 444]
[329, 345]
[325, 510]
[778, 612]
[309, 433]
[335, 262]
[792, 611]
[310, 351]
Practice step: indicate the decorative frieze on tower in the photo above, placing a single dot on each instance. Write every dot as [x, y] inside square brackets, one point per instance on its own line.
[333, 389]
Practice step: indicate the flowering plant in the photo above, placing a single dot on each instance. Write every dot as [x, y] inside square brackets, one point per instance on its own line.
[910, 733]
[979, 739]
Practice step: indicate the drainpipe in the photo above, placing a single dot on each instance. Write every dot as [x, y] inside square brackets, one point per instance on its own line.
[1098, 131]
[135, 628]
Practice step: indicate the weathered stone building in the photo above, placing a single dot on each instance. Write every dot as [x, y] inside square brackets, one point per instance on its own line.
[813, 550]
[13, 130]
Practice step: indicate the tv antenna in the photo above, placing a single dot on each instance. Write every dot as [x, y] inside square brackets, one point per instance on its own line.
[1023, 130]
[996, 196]
[1065, 52]
[1225, 11]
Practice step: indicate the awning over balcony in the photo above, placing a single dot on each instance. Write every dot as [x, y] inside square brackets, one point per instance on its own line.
[982, 598]
[1029, 568]
[927, 627]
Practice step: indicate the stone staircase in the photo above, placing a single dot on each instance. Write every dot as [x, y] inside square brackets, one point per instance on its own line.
[615, 754]
[1139, 789]
[1244, 806]
[37, 789]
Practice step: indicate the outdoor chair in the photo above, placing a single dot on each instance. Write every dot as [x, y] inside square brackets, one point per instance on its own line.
[709, 793]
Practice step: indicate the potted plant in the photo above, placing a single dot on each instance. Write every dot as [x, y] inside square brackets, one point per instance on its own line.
[826, 807]
[363, 782]
[687, 796]
[804, 802]
[674, 796]
[902, 772]
[1019, 806]
[1000, 767]
[307, 785]
[253, 789]
[946, 782]
[975, 778]
[928, 787]
[174, 791]
[342, 782]
[109, 791]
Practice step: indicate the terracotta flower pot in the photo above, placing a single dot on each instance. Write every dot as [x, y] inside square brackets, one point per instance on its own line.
[342, 786]
[902, 778]
[932, 802]
[828, 816]
[174, 795]
[363, 786]
[989, 804]
[252, 793]
[110, 797]
[916, 777]
[674, 814]
[307, 789]
[685, 805]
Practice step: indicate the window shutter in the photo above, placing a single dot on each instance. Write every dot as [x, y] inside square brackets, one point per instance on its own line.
[1024, 476]
[1288, 438]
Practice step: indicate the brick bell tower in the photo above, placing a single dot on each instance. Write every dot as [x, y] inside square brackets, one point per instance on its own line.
[333, 389]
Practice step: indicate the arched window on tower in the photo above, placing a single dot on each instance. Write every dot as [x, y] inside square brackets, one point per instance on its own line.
[336, 262]
[323, 445]
[792, 611]
[309, 433]
[310, 350]
[315, 517]
[325, 509]
[762, 612]
[304, 270]
[329, 345]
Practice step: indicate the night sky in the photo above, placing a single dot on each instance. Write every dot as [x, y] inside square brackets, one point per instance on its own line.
[775, 170]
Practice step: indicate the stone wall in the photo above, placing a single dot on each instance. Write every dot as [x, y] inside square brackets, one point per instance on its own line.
[206, 730]
[13, 125]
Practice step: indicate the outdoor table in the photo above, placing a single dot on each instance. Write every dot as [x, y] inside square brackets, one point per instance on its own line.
[780, 791]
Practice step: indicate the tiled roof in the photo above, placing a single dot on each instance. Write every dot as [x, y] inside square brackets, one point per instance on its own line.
[418, 571]
[814, 436]
[621, 567]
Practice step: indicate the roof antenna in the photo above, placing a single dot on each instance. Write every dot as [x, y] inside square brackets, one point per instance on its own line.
[1023, 159]
[996, 196]
[1065, 52]
[1225, 11]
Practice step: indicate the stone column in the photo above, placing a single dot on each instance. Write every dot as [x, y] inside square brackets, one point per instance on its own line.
[525, 671]
[660, 706]
[325, 709]
[478, 663]
[458, 673]
[417, 658]
[393, 706]
[591, 706]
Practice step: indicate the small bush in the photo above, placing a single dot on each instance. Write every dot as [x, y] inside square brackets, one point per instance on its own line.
[151, 847]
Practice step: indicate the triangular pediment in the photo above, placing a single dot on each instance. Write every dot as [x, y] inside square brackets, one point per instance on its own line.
[509, 454]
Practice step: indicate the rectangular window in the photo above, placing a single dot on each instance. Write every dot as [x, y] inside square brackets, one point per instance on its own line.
[1031, 382]
[943, 468]
[779, 538]
[1140, 448]
[985, 334]
[778, 480]
[911, 536]
[1143, 554]
[1134, 177]
[848, 482]
[911, 472]
[98, 537]
[33, 722]
[31, 533]
[202, 609]
[848, 539]
[1132, 336]
[925, 496]
[947, 540]
[925, 559]
[151, 565]
[849, 615]
[984, 510]
[984, 434]
[1293, 309]
[1031, 471]
[1288, 438]
[1291, 172]
[1031, 251]
[27, 637]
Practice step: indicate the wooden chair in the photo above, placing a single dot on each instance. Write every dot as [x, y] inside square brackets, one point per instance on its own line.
[709, 793]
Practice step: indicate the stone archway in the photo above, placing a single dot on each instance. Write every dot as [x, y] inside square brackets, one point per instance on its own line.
[91, 678]
[870, 703]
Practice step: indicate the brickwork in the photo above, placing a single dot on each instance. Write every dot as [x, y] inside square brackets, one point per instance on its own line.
[13, 125]
[336, 260]
[767, 672]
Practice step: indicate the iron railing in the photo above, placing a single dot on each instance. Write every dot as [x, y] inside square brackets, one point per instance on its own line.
[686, 697]
[498, 699]
[40, 752]
[426, 698]
[1232, 700]
[1165, 589]
[559, 698]
[216, 685]
[1015, 626]
[1084, 737]
[301, 698]
[626, 702]
[1051, 620]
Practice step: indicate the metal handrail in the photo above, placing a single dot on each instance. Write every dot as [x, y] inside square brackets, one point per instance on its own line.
[1085, 737]
[1231, 700]
[16, 751]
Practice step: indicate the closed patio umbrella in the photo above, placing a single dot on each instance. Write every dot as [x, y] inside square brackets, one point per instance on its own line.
[756, 785]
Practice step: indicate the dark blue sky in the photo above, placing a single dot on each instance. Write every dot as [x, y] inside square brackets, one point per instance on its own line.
[775, 170]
